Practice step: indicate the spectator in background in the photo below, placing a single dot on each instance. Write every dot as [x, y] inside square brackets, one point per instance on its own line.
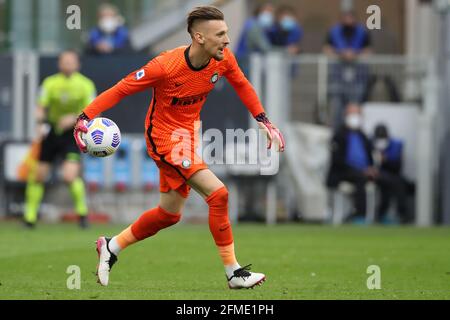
[110, 35]
[348, 39]
[348, 79]
[351, 158]
[388, 158]
[286, 32]
[254, 36]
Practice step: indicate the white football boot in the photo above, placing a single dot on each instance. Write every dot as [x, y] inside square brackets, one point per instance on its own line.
[242, 278]
[106, 260]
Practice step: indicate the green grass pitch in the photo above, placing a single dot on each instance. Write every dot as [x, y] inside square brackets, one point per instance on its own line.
[300, 262]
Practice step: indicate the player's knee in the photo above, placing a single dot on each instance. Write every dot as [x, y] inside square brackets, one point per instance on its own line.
[171, 207]
[69, 177]
[42, 174]
[219, 198]
[172, 202]
[166, 218]
[40, 178]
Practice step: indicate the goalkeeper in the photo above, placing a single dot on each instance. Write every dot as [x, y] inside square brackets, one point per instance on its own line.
[181, 80]
[62, 97]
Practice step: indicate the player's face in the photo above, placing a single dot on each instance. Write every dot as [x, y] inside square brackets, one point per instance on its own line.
[215, 38]
[68, 63]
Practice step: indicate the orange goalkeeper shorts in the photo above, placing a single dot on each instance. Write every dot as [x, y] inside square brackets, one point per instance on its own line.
[173, 175]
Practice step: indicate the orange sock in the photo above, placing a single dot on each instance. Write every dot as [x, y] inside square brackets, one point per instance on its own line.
[227, 254]
[126, 238]
[150, 222]
[219, 223]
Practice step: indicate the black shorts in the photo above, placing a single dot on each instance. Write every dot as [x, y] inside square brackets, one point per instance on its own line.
[61, 146]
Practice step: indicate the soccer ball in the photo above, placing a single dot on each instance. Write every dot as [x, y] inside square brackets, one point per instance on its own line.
[102, 138]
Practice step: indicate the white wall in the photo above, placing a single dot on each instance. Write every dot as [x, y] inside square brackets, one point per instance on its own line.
[308, 161]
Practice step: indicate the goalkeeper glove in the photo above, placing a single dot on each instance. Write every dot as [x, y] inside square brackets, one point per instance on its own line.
[273, 134]
[81, 127]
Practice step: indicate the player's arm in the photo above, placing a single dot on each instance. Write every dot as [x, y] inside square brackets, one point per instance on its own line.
[67, 121]
[41, 109]
[139, 80]
[148, 76]
[43, 102]
[248, 95]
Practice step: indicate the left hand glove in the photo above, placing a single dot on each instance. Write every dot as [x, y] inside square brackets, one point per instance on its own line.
[273, 133]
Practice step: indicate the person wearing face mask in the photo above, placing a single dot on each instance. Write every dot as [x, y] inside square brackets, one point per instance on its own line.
[348, 78]
[388, 157]
[254, 36]
[110, 35]
[348, 39]
[286, 32]
[351, 159]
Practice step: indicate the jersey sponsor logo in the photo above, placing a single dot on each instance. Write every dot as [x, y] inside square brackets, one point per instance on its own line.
[139, 74]
[187, 101]
[215, 77]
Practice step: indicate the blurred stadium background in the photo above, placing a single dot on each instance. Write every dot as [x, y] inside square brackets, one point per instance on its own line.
[412, 51]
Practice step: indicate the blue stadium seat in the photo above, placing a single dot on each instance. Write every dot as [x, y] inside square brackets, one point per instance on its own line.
[94, 172]
[122, 174]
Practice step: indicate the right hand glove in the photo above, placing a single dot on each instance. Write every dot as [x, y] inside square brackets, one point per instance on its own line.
[273, 133]
[81, 127]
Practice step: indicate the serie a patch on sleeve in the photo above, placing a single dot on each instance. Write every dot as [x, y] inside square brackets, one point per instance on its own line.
[139, 74]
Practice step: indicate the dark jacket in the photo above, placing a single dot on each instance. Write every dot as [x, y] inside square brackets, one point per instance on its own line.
[119, 38]
[338, 164]
[393, 157]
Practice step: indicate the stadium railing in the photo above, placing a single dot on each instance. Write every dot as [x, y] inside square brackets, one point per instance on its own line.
[294, 90]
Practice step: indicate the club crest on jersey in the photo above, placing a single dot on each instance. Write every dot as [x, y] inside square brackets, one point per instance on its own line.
[214, 77]
[139, 74]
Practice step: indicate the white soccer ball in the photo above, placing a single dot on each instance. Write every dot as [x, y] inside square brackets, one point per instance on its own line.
[103, 137]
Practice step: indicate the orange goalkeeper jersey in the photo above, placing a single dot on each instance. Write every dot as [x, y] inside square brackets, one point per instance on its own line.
[179, 92]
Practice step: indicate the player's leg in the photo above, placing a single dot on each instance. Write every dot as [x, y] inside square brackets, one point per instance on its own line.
[71, 169]
[215, 194]
[72, 174]
[167, 213]
[35, 185]
[34, 192]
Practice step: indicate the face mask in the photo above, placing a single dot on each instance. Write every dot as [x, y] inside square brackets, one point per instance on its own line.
[265, 19]
[108, 25]
[287, 23]
[381, 144]
[353, 121]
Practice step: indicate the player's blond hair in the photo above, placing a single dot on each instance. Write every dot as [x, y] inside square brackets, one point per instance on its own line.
[203, 13]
